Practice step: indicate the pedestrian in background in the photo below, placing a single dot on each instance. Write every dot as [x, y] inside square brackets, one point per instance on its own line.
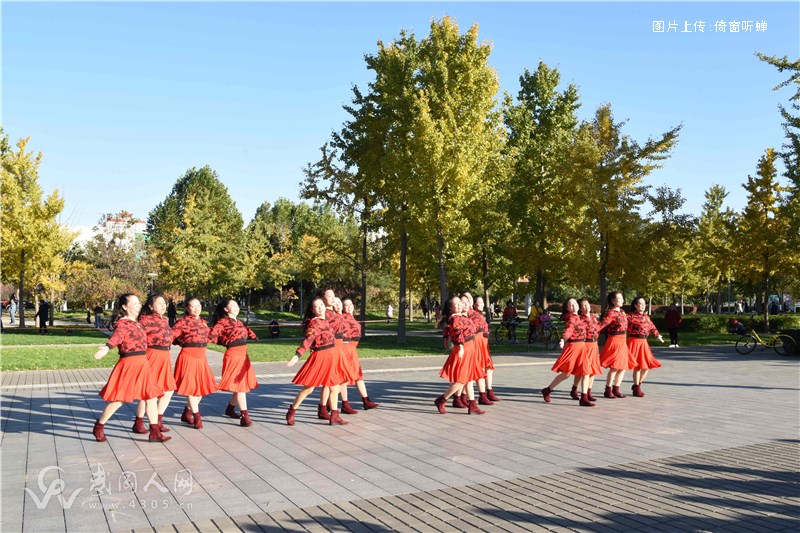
[43, 314]
[672, 319]
[12, 307]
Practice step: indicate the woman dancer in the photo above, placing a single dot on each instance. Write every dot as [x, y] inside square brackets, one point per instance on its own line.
[614, 356]
[573, 342]
[350, 355]
[487, 363]
[322, 367]
[640, 357]
[460, 368]
[238, 376]
[159, 339]
[130, 379]
[481, 347]
[193, 376]
[591, 356]
[334, 318]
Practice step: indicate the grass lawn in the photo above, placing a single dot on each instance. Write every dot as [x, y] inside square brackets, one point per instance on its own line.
[382, 325]
[53, 357]
[55, 335]
[19, 352]
[286, 331]
[698, 339]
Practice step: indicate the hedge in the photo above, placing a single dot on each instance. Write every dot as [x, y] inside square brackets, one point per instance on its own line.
[720, 323]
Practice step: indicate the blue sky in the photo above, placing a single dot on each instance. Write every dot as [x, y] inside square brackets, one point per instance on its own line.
[123, 98]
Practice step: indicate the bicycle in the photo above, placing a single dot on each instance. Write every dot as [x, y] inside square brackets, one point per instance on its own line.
[547, 333]
[506, 330]
[782, 344]
[107, 324]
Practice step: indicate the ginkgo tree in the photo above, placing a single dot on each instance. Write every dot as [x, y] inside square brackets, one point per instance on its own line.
[31, 237]
[541, 125]
[761, 237]
[197, 235]
[612, 191]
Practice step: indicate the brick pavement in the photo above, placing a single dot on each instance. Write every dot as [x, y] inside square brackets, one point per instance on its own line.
[713, 446]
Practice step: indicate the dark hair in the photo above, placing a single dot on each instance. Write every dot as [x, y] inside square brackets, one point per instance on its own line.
[220, 312]
[564, 309]
[348, 299]
[118, 312]
[610, 297]
[186, 304]
[636, 299]
[151, 299]
[310, 312]
[588, 302]
[447, 311]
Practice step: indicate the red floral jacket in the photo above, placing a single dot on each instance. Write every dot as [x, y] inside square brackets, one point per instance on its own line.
[190, 331]
[319, 336]
[129, 337]
[230, 332]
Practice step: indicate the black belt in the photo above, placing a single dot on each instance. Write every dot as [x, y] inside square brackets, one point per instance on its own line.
[163, 348]
[615, 333]
[237, 342]
[467, 339]
[575, 340]
[328, 347]
[131, 354]
[339, 336]
[638, 336]
[589, 340]
[194, 345]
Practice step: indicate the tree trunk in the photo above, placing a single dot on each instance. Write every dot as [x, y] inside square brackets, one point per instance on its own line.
[730, 307]
[21, 299]
[487, 310]
[544, 292]
[443, 294]
[537, 288]
[302, 308]
[603, 269]
[682, 311]
[401, 315]
[428, 304]
[52, 306]
[766, 304]
[249, 294]
[410, 305]
[362, 308]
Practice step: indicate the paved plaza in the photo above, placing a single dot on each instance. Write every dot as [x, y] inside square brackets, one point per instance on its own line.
[714, 446]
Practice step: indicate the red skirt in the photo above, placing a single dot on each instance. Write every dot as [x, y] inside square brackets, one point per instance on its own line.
[237, 372]
[615, 353]
[320, 370]
[590, 366]
[639, 355]
[193, 374]
[571, 359]
[351, 363]
[161, 369]
[473, 351]
[482, 346]
[462, 369]
[130, 380]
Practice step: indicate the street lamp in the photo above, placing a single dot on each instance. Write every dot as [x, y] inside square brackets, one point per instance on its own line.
[152, 276]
